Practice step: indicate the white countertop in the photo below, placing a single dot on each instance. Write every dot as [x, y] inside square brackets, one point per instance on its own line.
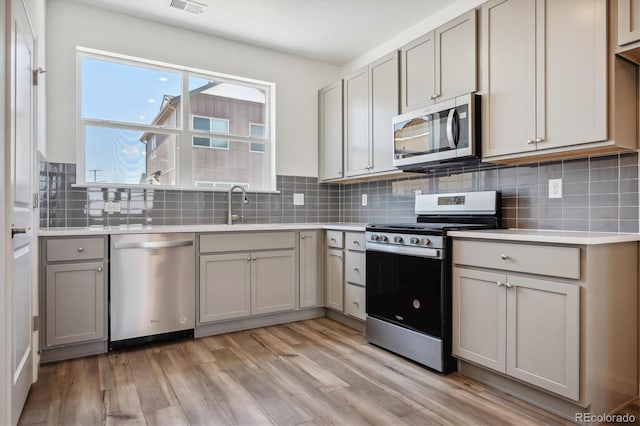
[139, 229]
[541, 236]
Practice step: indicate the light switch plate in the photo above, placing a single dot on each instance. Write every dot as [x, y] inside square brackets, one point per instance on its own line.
[364, 199]
[555, 188]
[298, 199]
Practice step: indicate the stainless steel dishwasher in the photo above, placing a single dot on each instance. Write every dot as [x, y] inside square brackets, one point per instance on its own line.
[152, 291]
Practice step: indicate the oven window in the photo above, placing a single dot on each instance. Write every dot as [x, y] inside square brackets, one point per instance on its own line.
[405, 290]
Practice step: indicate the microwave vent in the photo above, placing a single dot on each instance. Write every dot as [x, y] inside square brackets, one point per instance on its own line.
[188, 6]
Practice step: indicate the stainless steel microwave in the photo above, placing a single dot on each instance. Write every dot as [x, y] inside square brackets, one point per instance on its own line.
[441, 133]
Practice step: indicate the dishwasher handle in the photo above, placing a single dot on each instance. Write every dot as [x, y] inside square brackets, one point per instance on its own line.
[152, 244]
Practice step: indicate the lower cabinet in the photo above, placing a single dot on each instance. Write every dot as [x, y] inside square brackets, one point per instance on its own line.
[310, 269]
[554, 322]
[334, 279]
[73, 297]
[75, 303]
[527, 328]
[244, 274]
[237, 285]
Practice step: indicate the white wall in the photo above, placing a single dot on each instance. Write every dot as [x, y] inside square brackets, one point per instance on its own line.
[297, 80]
[454, 10]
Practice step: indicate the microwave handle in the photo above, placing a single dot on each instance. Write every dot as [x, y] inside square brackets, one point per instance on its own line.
[452, 128]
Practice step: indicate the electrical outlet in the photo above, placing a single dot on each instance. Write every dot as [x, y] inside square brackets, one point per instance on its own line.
[364, 199]
[418, 192]
[298, 199]
[555, 188]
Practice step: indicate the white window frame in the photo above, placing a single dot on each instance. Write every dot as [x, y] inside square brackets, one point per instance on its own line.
[185, 133]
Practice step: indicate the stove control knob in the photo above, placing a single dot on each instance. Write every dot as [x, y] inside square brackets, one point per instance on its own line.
[374, 237]
[426, 242]
[414, 240]
[398, 240]
[384, 238]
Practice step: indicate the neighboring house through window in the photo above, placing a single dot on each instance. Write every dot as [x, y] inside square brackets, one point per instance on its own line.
[131, 128]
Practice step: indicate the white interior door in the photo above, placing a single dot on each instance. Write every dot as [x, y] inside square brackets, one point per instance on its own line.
[20, 257]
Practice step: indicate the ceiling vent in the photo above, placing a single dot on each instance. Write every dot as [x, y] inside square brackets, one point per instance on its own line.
[188, 6]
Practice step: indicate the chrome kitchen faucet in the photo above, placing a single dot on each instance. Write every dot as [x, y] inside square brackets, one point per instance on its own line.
[245, 200]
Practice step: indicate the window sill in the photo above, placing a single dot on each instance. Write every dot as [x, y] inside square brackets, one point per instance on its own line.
[168, 188]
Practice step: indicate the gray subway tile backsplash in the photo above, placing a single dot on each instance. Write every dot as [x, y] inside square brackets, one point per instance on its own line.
[599, 194]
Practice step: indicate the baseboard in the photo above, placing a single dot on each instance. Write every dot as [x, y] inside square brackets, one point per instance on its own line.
[73, 351]
[346, 320]
[257, 321]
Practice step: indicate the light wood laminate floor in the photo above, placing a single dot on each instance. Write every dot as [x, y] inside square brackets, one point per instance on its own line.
[312, 372]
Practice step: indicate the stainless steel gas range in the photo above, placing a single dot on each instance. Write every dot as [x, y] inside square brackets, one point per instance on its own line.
[408, 288]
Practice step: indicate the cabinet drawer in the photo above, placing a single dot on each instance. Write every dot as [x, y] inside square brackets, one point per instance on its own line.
[334, 239]
[354, 301]
[556, 261]
[355, 267]
[75, 249]
[233, 241]
[355, 240]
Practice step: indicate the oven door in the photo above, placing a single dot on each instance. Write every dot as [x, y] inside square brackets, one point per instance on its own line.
[406, 290]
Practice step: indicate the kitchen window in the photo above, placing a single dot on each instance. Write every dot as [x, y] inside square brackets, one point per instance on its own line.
[131, 133]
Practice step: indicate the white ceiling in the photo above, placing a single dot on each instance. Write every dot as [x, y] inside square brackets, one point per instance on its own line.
[333, 31]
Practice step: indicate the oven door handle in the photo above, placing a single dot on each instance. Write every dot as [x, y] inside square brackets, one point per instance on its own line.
[405, 250]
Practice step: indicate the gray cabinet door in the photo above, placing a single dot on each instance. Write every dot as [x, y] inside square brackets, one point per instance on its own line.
[571, 94]
[330, 131]
[356, 123]
[628, 21]
[225, 286]
[384, 94]
[310, 271]
[334, 279]
[418, 72]
[543, 334]
[75, 301]
[509, 77]
[456, 53]
[479, 317]
[273, 286]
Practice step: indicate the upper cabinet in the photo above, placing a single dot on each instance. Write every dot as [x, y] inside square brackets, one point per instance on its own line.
[441, 64]
[555, 90]
[330, 131]
[628, 25]
[370, 101]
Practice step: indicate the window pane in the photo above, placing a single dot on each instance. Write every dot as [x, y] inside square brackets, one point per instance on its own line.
[256, 130]
[233, 104]
[257, 147]
[220, 143]
[197, 141]
[121, 156]
[201, 123]
[129, 93]
[219, 125]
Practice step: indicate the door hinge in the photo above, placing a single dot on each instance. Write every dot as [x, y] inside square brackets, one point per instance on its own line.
[35, 200]
[36, 322]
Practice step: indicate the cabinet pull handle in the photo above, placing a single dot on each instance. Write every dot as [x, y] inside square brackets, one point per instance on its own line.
[355, 302]
[504, 257]
[304, 236]
[509, 285]
[80, 249]
[356, 242]
[356, 269]
[253, 258]
[538, 140]
[339, 257]
[99, 268]
[500, 284]
[530, 141]
[333, 240]
[248, 259]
